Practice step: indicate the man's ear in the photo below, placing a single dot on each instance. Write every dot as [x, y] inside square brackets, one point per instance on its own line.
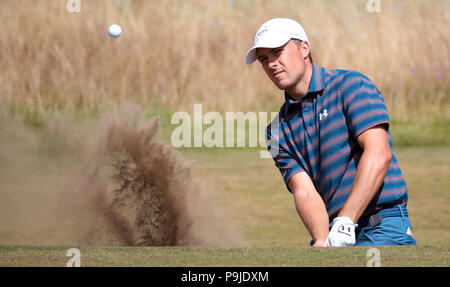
[304, 48]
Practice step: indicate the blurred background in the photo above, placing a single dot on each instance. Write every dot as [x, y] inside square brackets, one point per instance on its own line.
[60, 73]
[176, 53]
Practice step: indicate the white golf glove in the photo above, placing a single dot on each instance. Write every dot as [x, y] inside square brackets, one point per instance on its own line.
[342, 232]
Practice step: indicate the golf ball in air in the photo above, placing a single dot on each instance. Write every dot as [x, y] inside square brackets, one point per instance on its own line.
[114, 30]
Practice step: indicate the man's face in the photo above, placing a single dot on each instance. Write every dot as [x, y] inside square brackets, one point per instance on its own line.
[284, 65]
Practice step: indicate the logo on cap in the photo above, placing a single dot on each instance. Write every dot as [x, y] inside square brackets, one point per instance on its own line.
[260, 33]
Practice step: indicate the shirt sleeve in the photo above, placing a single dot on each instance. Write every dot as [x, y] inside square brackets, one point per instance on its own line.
[363, 103]
[285, 161]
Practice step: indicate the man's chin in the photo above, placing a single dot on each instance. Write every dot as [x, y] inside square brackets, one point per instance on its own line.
[282, 85]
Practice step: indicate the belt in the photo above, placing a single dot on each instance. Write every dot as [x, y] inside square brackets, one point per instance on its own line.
[382, 207]
[398, 210]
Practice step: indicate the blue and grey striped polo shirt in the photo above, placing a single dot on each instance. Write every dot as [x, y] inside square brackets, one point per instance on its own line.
[318, 135]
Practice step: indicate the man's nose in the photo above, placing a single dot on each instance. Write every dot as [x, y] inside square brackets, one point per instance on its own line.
[272, 62]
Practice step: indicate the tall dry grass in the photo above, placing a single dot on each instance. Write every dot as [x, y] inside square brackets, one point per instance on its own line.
[176, 53]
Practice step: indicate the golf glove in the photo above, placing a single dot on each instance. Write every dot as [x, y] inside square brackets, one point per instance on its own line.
[342, 232]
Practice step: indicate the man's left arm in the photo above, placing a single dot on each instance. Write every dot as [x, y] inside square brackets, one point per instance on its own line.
[368, 121]
[370, 173]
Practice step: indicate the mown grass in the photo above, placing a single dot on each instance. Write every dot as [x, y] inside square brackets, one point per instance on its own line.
[223, 257]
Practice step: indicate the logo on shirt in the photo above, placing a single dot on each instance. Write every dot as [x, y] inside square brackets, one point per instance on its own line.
[323, 115]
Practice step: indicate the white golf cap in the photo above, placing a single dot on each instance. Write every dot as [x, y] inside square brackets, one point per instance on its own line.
[275, 33]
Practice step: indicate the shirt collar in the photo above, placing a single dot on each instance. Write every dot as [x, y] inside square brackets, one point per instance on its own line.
[316, 84]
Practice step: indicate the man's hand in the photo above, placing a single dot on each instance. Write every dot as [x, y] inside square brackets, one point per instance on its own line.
[342, 232]
[320, 243]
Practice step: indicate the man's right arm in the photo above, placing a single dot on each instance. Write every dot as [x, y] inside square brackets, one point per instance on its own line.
[310, 207]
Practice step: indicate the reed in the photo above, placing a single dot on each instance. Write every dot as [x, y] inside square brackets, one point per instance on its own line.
[177, 53]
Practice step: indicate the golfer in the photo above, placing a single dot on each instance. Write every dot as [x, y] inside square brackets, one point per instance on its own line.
[334, 149]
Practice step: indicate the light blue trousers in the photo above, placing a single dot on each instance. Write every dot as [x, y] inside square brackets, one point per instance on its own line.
[391, 226]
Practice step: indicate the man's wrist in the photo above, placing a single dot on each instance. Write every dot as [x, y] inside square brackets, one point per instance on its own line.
[350, 215]
[318, 242]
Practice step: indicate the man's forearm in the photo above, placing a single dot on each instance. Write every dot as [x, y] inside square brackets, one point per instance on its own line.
[369, 176]
[313, 213]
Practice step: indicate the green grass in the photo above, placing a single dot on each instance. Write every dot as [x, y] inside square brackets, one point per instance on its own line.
[256, 256]
[435, 132]
[258, 205]
[427, 130]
